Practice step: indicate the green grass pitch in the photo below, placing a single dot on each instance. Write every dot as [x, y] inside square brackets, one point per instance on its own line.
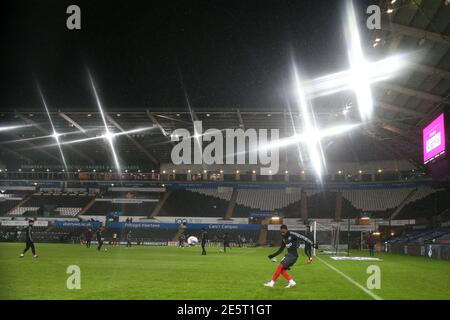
[182, 273]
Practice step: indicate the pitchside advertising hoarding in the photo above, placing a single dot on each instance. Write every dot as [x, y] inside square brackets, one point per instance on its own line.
[23, 223]
[434, 144]
[78, 224]
[190, 226]
[264, 214]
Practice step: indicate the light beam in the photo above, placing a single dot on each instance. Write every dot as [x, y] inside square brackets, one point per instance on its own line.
[107, 135]
[360, 81]
[111, 135]
[10, 128]
[55, 134]
[316, 156]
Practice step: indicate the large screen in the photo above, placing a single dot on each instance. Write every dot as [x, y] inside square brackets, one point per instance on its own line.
[434, 139]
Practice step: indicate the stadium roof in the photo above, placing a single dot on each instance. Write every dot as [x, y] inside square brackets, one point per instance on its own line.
[403, 105]
[407, 103]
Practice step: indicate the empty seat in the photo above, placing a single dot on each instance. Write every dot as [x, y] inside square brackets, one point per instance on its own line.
[266, 199]
[376, 199]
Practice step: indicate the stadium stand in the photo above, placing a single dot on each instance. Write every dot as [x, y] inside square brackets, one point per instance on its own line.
[422, 236]
[426, 203]
[58, 200]
[130, 195]
[253, 200]
[322, 205]
[185, 203]
[266, 199]
[126, 209]
[62, 205]
[241, 211]
[292, 210]
[443, 239]
[19, 211]
[376, 199]
[226, 195]
[15, 193]
[348, 210]
[68, 212]
[7, 205]
[421, 193]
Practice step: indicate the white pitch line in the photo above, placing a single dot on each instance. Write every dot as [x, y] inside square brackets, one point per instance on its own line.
[370, 293]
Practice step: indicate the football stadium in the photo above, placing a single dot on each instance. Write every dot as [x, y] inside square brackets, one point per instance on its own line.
[225, 150]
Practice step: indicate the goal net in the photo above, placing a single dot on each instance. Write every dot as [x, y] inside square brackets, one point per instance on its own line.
[327, 237]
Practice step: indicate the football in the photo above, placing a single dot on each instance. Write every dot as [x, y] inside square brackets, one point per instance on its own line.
[192, 241]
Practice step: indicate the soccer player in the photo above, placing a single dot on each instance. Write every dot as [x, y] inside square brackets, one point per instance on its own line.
[308, 246]
[88, 237]
[29, 240]
[290, 241]
[181, 240]
[239, 241]
[128, 239]
[115, 242]
[226, 242]
[204, 240]
[99, 238]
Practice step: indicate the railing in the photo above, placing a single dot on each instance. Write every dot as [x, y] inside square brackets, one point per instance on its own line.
[428, 250]
[154, 175]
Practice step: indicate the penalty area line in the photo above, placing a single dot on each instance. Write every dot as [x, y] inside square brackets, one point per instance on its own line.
[367, 291]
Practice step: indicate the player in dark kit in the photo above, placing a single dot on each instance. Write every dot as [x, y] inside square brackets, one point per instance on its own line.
[371, 241]
[29, 240]
[181, 240]
[99, 238]
[290, 241]
[88, 237]
[226, 242]
[128, 245]
[308, 247]
[204, 240]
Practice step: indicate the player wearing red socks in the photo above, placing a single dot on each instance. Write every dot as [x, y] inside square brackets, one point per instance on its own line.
[291, 241]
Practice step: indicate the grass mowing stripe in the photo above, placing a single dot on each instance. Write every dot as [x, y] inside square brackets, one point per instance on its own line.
[370, 293]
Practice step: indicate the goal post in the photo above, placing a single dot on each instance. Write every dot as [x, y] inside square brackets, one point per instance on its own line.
[326, 236]
[315, 237]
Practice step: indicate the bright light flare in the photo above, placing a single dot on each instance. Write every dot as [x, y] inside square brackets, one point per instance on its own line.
[313, 146]
[10, 128]
[51, 136]
[299, 150]
[55, 134]
[362, 73]
[107, 135]
[359, 78]
[313, 137]
[341, 81]
[197, 135]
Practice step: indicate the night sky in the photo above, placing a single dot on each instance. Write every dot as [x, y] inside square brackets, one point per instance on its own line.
[225, 54]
